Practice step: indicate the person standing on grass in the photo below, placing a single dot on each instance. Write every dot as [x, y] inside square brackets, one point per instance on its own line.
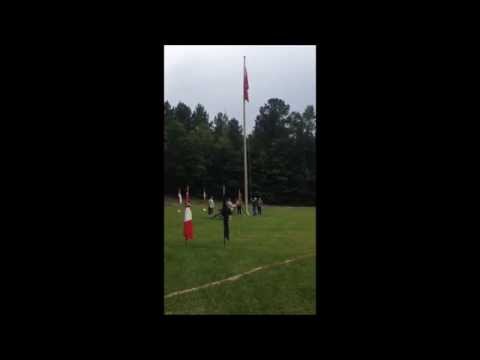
[230, 206]
[254, 206]
[211, 206]
[239, 206]
[187, 221]
[259, 206]
[225, 212]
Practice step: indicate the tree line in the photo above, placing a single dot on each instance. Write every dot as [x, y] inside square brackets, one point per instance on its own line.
[208, 154]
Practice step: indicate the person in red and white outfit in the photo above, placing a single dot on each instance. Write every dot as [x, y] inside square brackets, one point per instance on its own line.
[187, 222]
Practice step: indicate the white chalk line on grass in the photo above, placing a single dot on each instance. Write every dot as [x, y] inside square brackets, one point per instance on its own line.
[236, 277]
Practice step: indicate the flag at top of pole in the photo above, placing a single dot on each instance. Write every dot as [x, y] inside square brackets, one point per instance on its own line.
[245, 84]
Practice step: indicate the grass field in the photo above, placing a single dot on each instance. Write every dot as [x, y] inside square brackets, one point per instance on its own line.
[281, 233]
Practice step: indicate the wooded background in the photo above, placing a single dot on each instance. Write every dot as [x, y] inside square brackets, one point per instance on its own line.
[207, 154]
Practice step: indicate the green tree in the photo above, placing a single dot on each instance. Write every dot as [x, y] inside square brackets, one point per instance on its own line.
[270, 151]
[281, 150]
[200, 117]
[175, 133]
[220, 122]
[183, 114]
[234, 133]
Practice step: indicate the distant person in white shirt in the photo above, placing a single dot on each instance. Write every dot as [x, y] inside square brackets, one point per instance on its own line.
[211, 206]
[259, 205]
[230, 205]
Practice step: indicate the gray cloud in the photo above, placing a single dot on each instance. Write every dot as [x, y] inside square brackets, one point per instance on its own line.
[213, 77]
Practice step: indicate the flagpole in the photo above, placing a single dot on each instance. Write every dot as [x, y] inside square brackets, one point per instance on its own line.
[245, 143]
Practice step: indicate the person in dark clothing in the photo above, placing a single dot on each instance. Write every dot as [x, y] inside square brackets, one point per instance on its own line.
[219, 214]
[226, 218]
[254, 206]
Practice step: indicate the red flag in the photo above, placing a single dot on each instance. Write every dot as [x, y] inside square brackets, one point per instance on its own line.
[245, 85]
[187, 223]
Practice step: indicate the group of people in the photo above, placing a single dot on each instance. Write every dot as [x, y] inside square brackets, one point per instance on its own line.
[226, 212]
[257, 204]
[229, 204]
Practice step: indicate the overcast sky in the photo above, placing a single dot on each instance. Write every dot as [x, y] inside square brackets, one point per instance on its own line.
[213, 77]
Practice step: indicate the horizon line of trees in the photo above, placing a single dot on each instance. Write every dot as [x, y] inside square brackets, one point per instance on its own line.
[208, 154]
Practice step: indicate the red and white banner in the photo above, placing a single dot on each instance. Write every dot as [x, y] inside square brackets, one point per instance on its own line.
[245, 85]
[188, 224]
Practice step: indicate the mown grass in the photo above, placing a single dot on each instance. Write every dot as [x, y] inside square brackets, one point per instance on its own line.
[280, 233]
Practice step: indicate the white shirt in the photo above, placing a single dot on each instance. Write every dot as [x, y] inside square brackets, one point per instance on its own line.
[211, 203]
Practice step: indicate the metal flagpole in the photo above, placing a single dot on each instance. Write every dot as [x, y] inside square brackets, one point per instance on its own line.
[245, 142]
